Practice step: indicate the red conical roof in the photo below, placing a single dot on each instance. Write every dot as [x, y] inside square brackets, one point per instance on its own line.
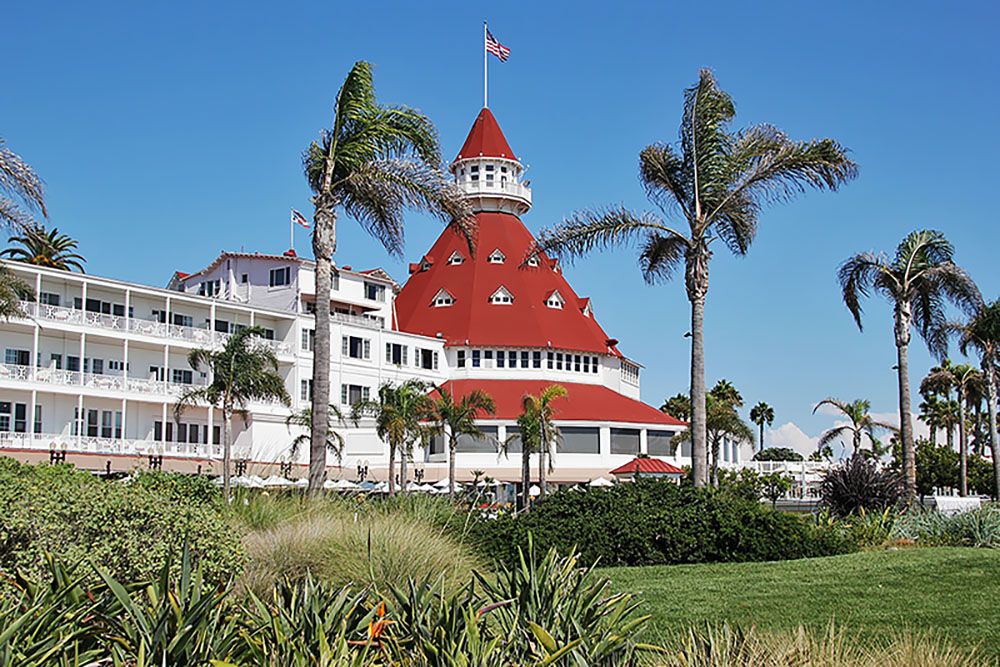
[485, 139]
[472, 319]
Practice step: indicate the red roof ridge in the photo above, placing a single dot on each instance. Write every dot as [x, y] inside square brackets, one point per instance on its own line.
[647, 465]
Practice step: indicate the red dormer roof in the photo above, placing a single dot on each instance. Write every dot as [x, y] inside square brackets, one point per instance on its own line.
[486, 139]
[647, 466]
[472, 319]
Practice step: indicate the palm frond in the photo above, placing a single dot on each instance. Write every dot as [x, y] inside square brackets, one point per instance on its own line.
[13, 216]
[20, 180]
[661, 256]
[13, 290]
[585, 230]
[858, 276]
[834, 434]
[704, 141]
[662, 173]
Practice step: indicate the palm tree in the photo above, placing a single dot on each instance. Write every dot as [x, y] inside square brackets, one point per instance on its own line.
[678, 406]
[982, 334]
[938, 383]
[918, 281]
[374, 163]
[723, 423]
[538, 433]
[12, 291]
[303, 418]
[45, 248]
[21, 191]
[860, 425]
[717, 181]
[458, 417]
[762, 415]
[241, 372]
[932, 411]
[398, 412]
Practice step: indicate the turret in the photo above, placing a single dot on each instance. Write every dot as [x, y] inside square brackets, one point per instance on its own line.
[489, 172]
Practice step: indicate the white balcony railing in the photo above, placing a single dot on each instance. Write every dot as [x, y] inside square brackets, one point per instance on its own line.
[483, 187]
[153, 328]
[67, 442]
[105, 381]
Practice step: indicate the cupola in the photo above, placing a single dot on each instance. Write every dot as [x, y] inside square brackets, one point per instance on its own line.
[487, 170]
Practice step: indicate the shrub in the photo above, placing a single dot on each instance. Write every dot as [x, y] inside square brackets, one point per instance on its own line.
[130, 529]
[656, 522]
[858, 483]
[341, 542]
[975, 528]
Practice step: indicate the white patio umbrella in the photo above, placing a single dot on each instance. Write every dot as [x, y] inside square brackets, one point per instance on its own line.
[600, 482]
[274, 481]
[442, 484]
[534, 491]
[255, 482]
[345, 485]
[302, 483]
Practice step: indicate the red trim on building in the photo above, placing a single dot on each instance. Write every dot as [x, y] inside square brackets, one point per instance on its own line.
[583, 402]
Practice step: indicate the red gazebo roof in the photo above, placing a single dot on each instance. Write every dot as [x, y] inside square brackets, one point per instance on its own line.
[647, 466]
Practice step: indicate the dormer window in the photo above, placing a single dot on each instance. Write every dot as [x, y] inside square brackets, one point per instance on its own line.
[587, 310]
[532, 261]
[502, 297]
[442, 299]
[555, 300]
[456, 258]
[496, 257]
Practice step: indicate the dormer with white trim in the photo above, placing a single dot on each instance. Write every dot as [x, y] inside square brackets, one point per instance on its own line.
[497, 257]
[442, 299]
[502, 297]
[555, 300]
[456, 259]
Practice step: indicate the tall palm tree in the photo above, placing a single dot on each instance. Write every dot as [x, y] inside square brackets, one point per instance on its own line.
[241, 372]
[931, 415]
[538, 433]
[723, 423]
[398, 412]
[762, 415]
[678, 406]
[938, 383]
[48, 248]
[717, 181]
[455, 418]
[374, 163]
[21, 191]
[918, 281]
[981, 332]
[860, 425]
[334, 440]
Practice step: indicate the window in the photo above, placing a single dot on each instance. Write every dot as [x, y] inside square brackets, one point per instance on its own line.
[443, 298]
[555, 300]
[210, 288]
[72, 363]
[155, 372]
[182, 320]
[496, 257]
[502, 297]
[514, 444]
[48, 298]
[17, 357]
[549, 358]
[222, 326]
[456, 258]
[395, 354]
[244, 279]
[4, 416]
[630, 372]
[352, 394]
[487, 444]
[533, 261]
[38, 418]
[625, 441]
[593, 364]
[658, 443]
[476, 361]
[426, 359]
[356, 348]
[536, 359]
[461, 359]
[306, 390]
[501, 359]
[280, 277]
[92, 428]
[181, 376]
[107, 420]
[524, 359]
[559, 361]
[512, 358]
[55, 361]
[576, 363]
[308, 340]
[579, 440]
[374, 291]
[116, 365]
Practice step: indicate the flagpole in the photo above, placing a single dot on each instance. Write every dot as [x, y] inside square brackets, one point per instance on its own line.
[291, 233]
[486, 98]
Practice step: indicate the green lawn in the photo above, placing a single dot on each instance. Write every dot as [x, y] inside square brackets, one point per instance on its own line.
[951, 592]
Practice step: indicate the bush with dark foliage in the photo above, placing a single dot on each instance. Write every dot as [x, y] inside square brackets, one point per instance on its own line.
[652, 522]
[860, 484]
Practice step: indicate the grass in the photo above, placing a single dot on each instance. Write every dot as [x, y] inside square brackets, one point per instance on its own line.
[947, 592]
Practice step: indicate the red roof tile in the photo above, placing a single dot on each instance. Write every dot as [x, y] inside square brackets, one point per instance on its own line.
[472, 319]
[647, 466]
[583, 402]
[486, 139]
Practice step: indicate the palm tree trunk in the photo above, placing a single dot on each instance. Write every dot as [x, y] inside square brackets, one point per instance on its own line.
[402, 469]
[699, 432]
[324, 245]
[934, 430]
[963, 451]
[227, 453]
[761, 435]
[452, 449]
[950, 432]
[392, 469]
[543, 453]
[715, 462]
[905, 419]
[991, 409]
[525, 473]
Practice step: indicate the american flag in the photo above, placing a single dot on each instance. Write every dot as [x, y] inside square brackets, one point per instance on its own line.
[299, 219]
[496, 48]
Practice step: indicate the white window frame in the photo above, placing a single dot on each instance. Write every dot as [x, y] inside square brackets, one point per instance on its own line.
[497, 257]
[502, 297]
[442, 299]
[456, 259]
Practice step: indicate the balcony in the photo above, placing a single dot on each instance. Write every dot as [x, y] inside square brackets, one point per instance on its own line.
[174, 332]
[496, 188]
[82, 444]
[102, 381]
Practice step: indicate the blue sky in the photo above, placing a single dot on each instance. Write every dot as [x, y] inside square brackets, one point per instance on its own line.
[166, 133]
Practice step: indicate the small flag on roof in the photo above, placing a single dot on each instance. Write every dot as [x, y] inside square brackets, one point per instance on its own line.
[496, 48]
[299, 219]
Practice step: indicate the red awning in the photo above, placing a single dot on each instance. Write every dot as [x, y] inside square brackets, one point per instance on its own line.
[647, 466]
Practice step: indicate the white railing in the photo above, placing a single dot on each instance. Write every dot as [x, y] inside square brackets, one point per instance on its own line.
[153, 328]
[105, 381]
[14, 372]
[356, 320]
[66, 442]
[482, 187]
